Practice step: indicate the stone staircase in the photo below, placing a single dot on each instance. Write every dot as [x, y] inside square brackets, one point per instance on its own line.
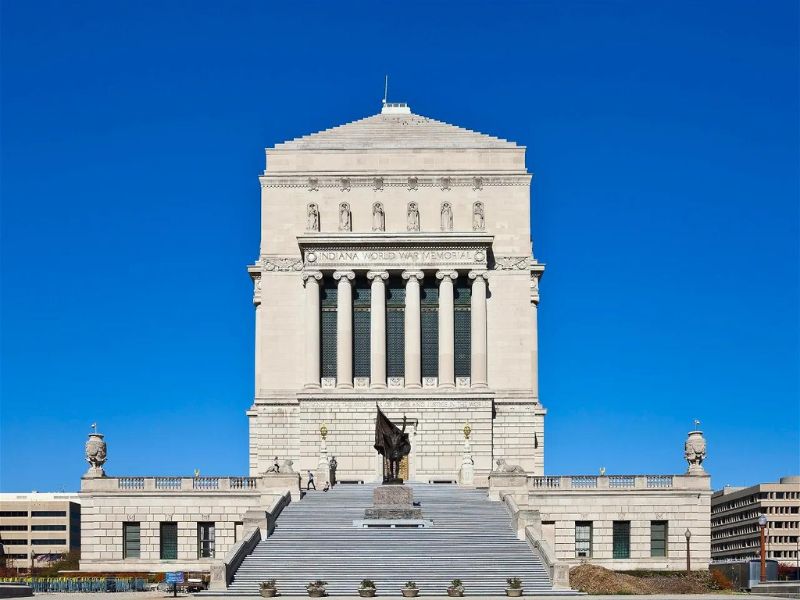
[471, 540]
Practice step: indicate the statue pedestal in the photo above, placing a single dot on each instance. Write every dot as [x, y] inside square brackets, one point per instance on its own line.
[393, 506]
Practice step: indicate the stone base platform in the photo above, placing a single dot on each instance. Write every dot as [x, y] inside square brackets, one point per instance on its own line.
[393, 502]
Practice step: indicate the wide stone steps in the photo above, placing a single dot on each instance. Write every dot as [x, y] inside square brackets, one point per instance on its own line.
[471, 540]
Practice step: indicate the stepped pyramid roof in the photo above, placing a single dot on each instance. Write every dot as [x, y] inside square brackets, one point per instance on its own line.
[396, 128]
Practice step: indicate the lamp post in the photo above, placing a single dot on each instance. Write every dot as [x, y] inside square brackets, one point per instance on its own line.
[688, 535]
[762, 523]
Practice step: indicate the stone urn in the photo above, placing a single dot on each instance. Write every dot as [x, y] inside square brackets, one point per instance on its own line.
[695, 452]
[95, 455]
[513, 592]
[366, 592]
[410, 592]
[455, 592]
[268, 592]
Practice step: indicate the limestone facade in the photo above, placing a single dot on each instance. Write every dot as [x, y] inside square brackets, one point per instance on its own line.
[576, 517]
[208, 514]
[396, 203]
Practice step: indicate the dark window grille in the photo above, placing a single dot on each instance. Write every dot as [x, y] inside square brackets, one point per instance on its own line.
[131, 546]
[328, 327]
[462, 322]
[48, 527]
[621, 540]
[395, 327]
[658, 538]
[361, 326]
[13, 513]
[48, 542]
[583, 539]
[169, 541]
[205, 540]
[49, 513]
[429, 325]
[13, 528]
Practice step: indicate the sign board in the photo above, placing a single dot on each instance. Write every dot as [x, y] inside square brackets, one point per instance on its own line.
[174, 577]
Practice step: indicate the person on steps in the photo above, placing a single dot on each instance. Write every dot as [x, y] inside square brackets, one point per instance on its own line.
[311, 483]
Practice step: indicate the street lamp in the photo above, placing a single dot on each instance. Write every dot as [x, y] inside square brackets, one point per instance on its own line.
[688, 535]
[762, 523]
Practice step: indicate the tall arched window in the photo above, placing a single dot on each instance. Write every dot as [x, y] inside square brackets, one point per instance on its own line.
[361, 324]
[462, 322]
[328, 326]
[395, 327]
[429, 324]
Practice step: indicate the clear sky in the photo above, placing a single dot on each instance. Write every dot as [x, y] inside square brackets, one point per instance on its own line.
[664, 141]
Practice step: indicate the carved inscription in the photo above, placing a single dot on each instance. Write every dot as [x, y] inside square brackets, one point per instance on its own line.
[400, 258]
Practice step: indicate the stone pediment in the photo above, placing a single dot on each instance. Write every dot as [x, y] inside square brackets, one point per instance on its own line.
[395, 251]
[408, 131]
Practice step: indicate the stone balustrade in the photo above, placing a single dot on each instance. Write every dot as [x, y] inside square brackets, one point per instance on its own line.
[183, 485]
[615, 482]
[517, 482]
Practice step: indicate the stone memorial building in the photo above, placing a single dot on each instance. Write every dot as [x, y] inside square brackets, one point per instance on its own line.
[396, 268]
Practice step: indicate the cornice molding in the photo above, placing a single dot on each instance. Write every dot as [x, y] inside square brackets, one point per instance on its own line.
[344, 183]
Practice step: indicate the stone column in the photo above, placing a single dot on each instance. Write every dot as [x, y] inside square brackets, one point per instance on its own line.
[447, 352]
[259, 327]
[344, 329]
[478, 329]
[535, 334]
[413, 337]
[377, 328]
[311, 281]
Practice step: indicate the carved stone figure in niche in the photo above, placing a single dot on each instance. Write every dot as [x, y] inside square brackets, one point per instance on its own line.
[344, 217]
[378, 217]
[412, 220]
[478, 220]
[447, 217]
[312, 219]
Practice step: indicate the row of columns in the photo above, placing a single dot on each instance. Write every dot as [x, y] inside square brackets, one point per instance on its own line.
[413, 337]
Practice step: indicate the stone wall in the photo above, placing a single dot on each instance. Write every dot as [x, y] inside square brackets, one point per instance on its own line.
[108, 503]
[683, 501]
[513, 430]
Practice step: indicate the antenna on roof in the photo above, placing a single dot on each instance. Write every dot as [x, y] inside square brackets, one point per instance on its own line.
[385, 88]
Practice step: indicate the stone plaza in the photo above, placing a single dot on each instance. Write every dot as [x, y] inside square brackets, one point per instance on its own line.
[396, 269]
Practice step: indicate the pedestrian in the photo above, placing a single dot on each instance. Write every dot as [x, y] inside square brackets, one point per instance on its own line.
[327, 486]
[310, 483]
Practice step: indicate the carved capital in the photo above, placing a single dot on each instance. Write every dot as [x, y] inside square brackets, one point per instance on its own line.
[479, 275]
[344, 275]
[451, 274]
[384, 275]
[418, 275]
[306, 275]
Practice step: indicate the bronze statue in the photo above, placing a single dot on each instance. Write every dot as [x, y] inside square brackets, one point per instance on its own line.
[392, 443]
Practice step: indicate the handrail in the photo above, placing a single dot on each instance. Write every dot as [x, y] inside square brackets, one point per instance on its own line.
[558, 571]
[222, 572]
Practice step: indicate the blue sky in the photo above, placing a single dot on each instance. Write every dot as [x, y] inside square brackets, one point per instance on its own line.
[664, 141]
